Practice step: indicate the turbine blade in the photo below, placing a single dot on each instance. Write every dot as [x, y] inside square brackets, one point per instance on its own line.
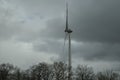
[66, 34]
[65, 38]
[66, 29]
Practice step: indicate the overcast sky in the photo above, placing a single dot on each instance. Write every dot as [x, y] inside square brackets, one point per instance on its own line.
[32, 31]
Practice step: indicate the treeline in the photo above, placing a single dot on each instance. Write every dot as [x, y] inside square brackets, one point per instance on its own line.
[55, 71]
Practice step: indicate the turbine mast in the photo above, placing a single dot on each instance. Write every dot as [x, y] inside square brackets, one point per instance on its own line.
[68, 31]
[69, 59]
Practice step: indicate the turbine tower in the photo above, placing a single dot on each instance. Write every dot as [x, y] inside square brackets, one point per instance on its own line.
[68, 31]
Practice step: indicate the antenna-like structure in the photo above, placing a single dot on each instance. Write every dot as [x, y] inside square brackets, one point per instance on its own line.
[68, 31]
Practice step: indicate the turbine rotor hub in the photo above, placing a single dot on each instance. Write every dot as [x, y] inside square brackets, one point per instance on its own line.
[69, 31]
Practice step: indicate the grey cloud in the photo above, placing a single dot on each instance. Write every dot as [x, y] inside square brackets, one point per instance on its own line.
[44, 8]
[49, 46]
[29, 29]
[86, 51]
[95, 24]
[53, 47]
[90, 28]
[91, 21]
[97, 51]
[97, 21]
[8, 25]
[55, 28]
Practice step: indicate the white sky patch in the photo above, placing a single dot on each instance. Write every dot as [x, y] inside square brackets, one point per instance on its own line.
[15, 12]
[42, 9]
[22, 54]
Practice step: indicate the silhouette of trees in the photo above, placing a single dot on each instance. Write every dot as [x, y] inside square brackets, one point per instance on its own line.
[55, 71]
[84, 73]
[107, 75]
[16, 74]
[40, 71]
[5, 71]
[26, 75]
[60, 71]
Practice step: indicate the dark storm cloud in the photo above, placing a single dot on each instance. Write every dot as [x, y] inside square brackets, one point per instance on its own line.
[55, 28]
[92, 21]
[97, 21]
[97, 51]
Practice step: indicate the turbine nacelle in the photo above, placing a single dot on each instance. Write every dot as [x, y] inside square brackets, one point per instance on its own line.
[68, 30]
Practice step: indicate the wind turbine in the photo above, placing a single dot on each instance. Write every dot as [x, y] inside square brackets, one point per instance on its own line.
[68, 31]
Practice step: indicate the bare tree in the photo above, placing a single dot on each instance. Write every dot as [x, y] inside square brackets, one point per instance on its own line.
[40, 71]
[107, 75]
[25, 75]
[60, 71]
[84, 73]
[16, 74]
[5, 70]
